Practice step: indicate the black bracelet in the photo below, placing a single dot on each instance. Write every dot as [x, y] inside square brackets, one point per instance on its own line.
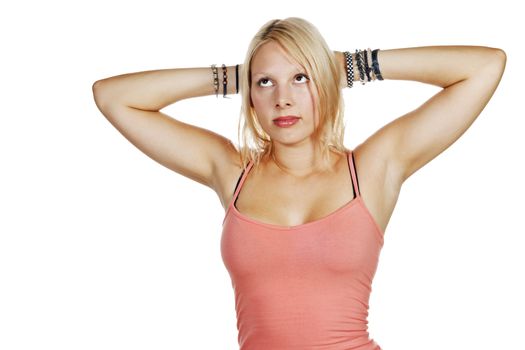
[367, 68]
[363, 72]
[359, 62]
[375, 65]
[237, 79]
[224, 80]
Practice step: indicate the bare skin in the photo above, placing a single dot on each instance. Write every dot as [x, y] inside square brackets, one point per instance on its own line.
[297, 191]
[326, 193]
[274, 193]
[281, 87]
[273, 196]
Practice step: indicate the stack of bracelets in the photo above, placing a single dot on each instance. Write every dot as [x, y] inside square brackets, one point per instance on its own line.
[366, 61]
[224, 79]
[367, 66]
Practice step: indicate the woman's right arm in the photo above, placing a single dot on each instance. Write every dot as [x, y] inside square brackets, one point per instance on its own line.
[132, 103]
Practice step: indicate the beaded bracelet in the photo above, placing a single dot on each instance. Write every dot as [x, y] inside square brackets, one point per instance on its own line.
[224, 80]
[215, 79]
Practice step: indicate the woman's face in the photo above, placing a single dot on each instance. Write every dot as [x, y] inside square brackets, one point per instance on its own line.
[281, 88]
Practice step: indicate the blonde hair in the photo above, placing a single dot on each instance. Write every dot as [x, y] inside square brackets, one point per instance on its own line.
[303, 42]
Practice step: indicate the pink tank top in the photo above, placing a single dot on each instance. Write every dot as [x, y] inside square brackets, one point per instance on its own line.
[306, 286]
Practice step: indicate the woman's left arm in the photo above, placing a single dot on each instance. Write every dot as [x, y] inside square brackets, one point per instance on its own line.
[468, 75]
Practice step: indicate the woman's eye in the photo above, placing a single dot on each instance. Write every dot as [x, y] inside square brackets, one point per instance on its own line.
[263, 82]
[266, 82]
[302, 76]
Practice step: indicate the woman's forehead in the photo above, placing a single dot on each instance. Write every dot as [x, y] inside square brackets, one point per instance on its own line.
[271, 58]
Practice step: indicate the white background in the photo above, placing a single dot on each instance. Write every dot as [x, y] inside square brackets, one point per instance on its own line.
[103, 248]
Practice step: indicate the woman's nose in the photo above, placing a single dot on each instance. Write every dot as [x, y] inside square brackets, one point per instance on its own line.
[283, 97]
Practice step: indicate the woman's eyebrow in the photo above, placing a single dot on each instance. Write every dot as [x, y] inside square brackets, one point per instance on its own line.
[261, 73]
[296, 71]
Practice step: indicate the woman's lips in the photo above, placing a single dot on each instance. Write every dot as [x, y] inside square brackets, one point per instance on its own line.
[285, 122]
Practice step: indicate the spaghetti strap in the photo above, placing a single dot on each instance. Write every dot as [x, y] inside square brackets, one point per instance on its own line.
[241, 181]
[238, 182]
[351, 163]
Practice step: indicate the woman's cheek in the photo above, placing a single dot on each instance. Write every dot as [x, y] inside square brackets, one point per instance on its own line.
[259, 105]
[260, 113]
[256, 100]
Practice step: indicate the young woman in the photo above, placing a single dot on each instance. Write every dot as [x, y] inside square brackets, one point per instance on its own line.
[305, 217]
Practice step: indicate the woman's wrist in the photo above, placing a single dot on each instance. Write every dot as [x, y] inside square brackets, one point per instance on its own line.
[341, 65]
[225, 79]
[361, 66]
[344, 66]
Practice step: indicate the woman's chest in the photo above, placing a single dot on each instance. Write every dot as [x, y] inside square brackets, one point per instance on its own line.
[288, 203]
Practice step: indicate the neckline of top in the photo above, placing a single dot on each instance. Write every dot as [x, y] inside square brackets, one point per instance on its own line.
[357, 197]
[244, 217]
